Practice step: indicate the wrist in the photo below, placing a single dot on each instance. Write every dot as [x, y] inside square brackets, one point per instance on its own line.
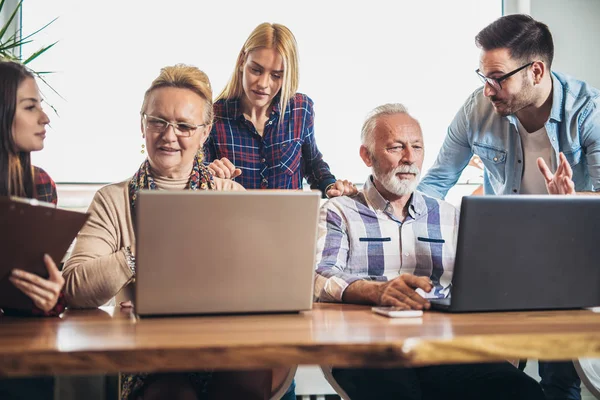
[363, 292]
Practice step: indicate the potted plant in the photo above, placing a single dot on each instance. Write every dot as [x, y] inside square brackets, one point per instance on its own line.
[11, 42]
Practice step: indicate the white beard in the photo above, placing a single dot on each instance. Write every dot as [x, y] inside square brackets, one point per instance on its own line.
[395, 185]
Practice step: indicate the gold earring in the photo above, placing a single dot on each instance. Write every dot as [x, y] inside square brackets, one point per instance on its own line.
[143, 147]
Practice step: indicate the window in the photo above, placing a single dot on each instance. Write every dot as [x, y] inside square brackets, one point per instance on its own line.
[353, 57]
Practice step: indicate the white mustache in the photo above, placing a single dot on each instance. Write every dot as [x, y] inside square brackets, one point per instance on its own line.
[407, 169]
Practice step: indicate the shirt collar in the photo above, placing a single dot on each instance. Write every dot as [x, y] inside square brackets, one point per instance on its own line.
[558, 97]
[556, 113]
[416, 206]
[276, 109]
[233, 107]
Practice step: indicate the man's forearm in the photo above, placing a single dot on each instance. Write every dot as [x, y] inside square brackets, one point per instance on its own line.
[362, 292]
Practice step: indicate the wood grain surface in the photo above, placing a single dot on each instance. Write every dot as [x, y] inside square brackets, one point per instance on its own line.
[109, 340]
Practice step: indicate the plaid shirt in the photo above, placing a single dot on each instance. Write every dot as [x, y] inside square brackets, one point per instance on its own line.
[360, 238]
[45, 187]
[281, 158]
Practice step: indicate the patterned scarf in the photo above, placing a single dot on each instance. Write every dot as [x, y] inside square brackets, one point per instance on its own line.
[200, 179]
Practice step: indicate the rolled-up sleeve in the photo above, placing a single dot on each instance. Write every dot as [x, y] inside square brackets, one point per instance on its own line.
[332, 277]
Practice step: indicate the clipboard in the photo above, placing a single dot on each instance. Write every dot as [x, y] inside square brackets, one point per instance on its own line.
[29, 229]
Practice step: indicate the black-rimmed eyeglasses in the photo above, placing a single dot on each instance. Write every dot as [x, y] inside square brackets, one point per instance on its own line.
[495, 83]
[158, 125]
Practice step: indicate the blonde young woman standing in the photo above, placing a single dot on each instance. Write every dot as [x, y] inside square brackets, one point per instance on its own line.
[263, 135]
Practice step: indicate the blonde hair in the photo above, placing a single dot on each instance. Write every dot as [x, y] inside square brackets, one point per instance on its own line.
[271, 36]
[184, 77]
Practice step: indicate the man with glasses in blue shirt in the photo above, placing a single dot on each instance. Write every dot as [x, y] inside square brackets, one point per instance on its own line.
[523, 117]
[535, 130]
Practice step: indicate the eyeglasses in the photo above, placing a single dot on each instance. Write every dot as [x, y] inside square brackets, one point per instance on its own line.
[159, 125]
[495, 82]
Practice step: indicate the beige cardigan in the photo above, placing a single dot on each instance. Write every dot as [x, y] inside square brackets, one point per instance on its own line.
[97, 270]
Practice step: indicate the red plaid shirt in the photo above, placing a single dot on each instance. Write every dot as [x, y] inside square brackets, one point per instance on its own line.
[281, 158]
[45, 187]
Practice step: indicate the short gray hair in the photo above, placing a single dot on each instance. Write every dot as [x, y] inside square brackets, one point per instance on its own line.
[366, 134]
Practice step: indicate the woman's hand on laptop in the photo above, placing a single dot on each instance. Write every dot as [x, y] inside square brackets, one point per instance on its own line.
[224, 168]
[400, 292]
[43, 292]
[561, 182]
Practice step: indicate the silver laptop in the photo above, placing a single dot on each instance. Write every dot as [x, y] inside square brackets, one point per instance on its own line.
[526, 253]
[207, 252]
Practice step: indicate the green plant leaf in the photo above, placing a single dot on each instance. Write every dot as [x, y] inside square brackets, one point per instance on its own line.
[38, 53]
[8, 46]
[47, 84]
[39, 30]
[15, 40]
[10, 20]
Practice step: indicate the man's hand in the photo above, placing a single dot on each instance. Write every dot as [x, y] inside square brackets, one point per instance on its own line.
[43, 292]
[562, 180]
[400, 292]
[341, 188]
[223, 168]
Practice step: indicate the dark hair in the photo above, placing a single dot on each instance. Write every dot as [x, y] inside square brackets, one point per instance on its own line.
[16, 175]
[525, 38]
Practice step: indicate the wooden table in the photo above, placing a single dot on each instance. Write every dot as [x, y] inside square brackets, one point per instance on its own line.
[111, 340]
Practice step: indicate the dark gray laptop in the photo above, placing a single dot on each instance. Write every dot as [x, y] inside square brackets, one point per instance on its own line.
[209, 252]
[526, 253]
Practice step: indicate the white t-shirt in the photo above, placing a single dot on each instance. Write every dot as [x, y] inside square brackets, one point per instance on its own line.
[535, 144]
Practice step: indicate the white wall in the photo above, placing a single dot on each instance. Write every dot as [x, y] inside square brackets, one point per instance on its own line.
[575, 27]
[576, 32]
[354, 56]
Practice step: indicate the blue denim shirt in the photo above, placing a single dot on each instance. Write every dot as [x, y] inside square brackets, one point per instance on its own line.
[573, 128]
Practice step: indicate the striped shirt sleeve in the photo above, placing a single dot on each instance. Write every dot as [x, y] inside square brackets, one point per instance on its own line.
[333, 246]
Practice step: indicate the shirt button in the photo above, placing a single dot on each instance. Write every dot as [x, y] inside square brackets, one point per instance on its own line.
[266, 181]
[515, 190]
[262, 160]
[270, 123]
[495, 158]
[519, 161]
[553, 139]
[406, 254]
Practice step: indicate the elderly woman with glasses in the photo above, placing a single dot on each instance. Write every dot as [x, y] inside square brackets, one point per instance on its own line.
[176, 119]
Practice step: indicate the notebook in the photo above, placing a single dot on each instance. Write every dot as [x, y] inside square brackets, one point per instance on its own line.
[526, 252]
[209, 252]
[28, 230]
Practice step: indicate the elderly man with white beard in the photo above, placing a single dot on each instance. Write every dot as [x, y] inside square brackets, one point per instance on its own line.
[392, 245]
